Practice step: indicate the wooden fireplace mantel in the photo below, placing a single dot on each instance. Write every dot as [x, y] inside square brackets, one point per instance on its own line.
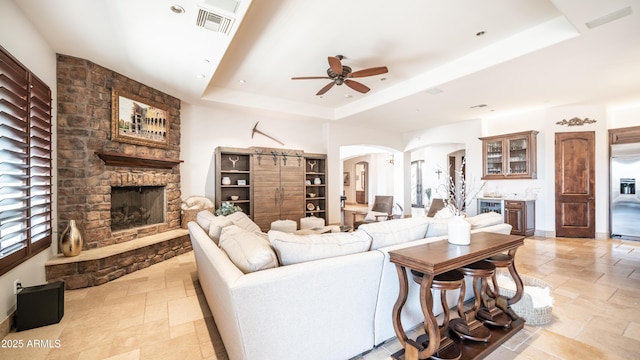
[118, 159]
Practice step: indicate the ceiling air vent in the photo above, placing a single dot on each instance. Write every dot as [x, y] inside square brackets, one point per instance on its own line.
[213, 21]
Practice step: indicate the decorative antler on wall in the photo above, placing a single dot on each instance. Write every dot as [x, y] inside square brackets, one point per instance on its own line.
[575, 121]
[234, 161]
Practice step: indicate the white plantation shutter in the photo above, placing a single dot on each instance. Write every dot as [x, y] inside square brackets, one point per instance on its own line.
[25, 164]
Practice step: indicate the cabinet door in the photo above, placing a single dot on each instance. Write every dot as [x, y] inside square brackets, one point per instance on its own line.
[291, 190]
[518, 156]
[513, 216]
[266, 191]
[493, 159]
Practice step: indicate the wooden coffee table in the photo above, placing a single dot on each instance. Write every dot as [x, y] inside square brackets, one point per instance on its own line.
[439, 257]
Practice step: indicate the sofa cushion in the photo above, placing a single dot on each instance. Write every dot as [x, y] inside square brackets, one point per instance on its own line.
[241, 220]
[203, 218]
[484, 220]
[249, 251]
[293, 249]
[438, 227]
[385, 233]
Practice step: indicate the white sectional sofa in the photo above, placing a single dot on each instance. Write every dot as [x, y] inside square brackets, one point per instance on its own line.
[333, 299]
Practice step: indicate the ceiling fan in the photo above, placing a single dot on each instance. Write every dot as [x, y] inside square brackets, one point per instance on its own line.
[341, 74]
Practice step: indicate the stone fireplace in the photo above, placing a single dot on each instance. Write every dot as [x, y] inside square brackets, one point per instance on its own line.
[105, 184]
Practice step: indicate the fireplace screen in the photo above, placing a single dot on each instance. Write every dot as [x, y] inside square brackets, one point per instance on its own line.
[134, 206]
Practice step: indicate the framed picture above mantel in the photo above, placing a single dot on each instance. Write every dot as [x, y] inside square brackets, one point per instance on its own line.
[140, 121]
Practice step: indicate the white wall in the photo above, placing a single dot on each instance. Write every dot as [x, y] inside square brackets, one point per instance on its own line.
[32, 51]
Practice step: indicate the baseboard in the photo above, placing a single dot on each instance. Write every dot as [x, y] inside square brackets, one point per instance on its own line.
[6, 325]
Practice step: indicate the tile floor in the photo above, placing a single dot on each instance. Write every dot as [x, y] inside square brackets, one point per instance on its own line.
[160, 312]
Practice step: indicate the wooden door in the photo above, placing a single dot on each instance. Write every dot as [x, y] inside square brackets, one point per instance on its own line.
[575, 184]
[292, 204]
[278, 190]
[266, 190]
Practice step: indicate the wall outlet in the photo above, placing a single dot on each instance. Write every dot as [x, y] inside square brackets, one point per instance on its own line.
[16, 286]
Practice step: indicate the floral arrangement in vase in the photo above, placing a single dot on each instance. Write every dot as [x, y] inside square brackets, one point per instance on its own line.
[457, 196]
[227, 208]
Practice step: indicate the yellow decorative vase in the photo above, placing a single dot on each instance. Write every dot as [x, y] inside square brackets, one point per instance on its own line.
[71, 240]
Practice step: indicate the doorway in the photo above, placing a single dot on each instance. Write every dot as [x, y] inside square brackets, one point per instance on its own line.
[362, 182]
[575, 184]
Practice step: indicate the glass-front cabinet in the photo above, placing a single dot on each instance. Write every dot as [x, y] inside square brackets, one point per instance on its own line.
[510, 156]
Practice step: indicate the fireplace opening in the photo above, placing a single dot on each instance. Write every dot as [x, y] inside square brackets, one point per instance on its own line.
[135, 206]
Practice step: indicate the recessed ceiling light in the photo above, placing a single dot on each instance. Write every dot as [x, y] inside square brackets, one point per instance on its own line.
[242, 81]
[200, 76]
[480, 33]
[177, 9]
[348, 96]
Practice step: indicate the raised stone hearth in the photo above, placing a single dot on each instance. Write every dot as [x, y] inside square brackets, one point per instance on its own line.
[98, 266]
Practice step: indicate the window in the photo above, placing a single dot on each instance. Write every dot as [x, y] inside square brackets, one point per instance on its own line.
[25, 164]
[416, 183]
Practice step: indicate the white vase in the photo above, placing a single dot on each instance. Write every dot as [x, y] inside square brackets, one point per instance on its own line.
[317, 181]
[459, 231]
[226, 181]
[71, 241]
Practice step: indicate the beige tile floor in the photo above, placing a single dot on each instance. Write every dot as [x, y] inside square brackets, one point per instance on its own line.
[160, 312]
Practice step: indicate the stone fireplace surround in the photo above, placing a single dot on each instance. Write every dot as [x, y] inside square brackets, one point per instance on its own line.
[85, 179]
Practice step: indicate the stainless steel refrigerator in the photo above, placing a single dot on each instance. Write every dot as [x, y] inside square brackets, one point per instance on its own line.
[625, 197]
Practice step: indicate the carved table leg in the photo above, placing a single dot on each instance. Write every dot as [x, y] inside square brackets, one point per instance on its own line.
[397, 307]
[516, 279]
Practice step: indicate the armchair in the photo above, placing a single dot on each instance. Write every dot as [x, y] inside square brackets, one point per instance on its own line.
[381, 210]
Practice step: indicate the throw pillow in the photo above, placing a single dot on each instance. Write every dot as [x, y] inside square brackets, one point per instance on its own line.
[249, 251]
[386, 233]
[293, 249]
[438, 227]
[203, 218]
[484, 220]
[216, 225]
[241, 220]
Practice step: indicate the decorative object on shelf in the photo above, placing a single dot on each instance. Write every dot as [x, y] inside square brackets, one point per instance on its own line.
[312, 195]
[311, 164]
[234, 197]
[310, 206]
[227, 208]
[576, 121]
[308, 182]
[242, 182]
[226, 180]
[317, 207]
[71, 240]
[256, 131]
[234, 161]
[346, 179]
[317, 181]
[153, 121]
[459, 231]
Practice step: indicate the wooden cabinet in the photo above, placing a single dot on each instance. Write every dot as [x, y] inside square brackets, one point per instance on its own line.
[509, 156]
[272, 184]
[233, 169]
[278, 187]
[316, 185]
[521, 215]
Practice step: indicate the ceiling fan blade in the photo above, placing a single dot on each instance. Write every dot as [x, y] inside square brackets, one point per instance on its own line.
[369, 72]
[326, 88]
[310, 77]
[335, 64]
[357, 86]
